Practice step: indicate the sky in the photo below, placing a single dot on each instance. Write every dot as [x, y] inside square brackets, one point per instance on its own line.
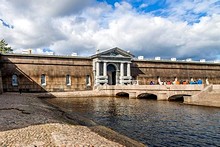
[166, 28]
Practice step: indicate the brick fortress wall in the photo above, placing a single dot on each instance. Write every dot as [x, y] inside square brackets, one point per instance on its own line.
[1, 85]
[29, 69]
[146, 71]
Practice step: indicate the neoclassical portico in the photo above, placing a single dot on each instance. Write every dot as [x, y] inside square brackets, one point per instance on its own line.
[112, 67]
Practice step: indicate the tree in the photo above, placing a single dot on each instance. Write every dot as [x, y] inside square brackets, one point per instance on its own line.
[4, 48]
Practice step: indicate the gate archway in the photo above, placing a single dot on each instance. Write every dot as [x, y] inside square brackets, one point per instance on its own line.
[111, 73]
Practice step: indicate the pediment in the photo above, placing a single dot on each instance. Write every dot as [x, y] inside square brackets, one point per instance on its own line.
[114, 52]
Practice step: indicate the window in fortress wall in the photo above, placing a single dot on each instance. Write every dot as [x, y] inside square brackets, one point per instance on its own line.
[14, 80]
[88, 81]
[43, 80]
[68, 80]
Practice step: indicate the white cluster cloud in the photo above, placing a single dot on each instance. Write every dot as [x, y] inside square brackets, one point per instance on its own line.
[83, 26]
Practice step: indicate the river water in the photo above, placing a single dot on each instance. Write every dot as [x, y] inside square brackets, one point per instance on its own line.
[154, 123]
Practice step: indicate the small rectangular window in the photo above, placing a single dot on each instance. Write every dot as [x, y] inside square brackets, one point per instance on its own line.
[68, 80]
[43, 79]
[14, 80]
[88, 82]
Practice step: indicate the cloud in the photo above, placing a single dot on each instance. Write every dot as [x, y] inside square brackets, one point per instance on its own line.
[42, 8]
[191, 11]
[188, 30]
[143, 6]
[34, 21]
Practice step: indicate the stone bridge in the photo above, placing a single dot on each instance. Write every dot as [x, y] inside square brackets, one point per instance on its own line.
[159, 92]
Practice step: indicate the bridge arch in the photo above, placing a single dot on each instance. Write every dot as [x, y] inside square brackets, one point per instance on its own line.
[149, 96]
[178, 97]
[122, 94]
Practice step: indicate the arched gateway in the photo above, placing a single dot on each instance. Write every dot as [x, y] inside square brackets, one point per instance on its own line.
[112, 67]
[111, 72]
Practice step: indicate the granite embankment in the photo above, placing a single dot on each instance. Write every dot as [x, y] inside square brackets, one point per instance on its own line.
[209, 96]
[28, 121]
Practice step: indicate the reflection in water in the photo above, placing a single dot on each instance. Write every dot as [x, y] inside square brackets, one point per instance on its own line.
[154, 123]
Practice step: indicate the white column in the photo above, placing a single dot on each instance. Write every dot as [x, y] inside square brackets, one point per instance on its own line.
[121, 73]
[94, 73]
[105, 69]
[122, 70]
[97, 68]
[117, 77]
[128, 69]
[93, 65]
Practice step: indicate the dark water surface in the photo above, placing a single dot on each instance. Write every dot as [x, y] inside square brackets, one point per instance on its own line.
[154, 123]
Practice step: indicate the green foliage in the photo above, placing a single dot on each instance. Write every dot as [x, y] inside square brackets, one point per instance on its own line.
[4, 48]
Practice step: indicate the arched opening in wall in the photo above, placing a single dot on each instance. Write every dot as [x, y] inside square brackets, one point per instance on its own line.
[111, 72]
[177, 98]
[148, 96]
[122, 95]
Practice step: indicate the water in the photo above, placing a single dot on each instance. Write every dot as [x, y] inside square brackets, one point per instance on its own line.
[154, 123]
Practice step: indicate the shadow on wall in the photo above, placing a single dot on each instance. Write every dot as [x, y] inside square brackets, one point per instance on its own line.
[15, 80]
[135, 71]
[1, 86]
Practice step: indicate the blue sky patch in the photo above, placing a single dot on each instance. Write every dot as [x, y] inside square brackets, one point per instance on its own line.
[163, 8]
[6, 24]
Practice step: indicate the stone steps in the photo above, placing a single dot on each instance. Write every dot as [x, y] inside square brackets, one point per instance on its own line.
[207, 97]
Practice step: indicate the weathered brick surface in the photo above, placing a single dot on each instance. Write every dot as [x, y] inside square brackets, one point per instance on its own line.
[1, 86]
[30, 68]
[147, 71]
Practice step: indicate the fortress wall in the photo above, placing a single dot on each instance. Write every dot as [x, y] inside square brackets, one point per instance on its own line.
[146, 71]
[30, 68]
[1, 86]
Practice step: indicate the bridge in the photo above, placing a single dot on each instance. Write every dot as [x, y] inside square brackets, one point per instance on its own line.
[205, 95]
[159, 92]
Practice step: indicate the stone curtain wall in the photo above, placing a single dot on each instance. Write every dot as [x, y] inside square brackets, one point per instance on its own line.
[29, 69]
[1, 86]
[147, 71]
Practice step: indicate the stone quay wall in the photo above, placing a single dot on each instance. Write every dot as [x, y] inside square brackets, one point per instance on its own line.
[147, 71]
[29, 68]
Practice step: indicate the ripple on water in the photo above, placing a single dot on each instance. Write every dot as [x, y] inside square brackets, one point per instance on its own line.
[155, 123]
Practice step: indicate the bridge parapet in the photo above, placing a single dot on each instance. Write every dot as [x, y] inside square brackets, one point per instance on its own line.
[153, 87]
